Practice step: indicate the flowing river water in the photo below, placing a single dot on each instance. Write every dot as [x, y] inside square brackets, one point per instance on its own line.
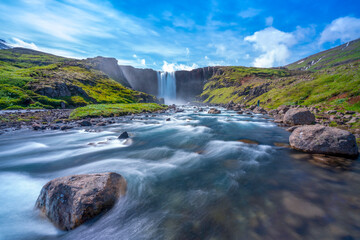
[188, 178]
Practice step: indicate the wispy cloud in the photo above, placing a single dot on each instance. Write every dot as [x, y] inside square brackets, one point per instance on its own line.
[250, 12]
[20, 43]
[344, 29]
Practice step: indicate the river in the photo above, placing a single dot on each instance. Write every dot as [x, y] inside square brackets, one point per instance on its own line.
[188, 178]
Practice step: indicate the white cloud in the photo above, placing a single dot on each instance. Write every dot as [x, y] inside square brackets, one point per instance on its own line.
[206, 58]
[183, 22]
[269, 21]
[345, 29]
[249, 13]
[143, 62]
[274, 44]
[171, 67]
[187, 51]
[20, 43]
[134, 56]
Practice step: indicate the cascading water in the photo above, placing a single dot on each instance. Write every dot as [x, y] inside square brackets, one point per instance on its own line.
[167, 86]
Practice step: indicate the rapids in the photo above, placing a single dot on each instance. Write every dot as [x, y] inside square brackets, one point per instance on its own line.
[188, 178]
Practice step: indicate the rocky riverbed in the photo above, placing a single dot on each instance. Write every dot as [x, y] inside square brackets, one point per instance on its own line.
[189, 174]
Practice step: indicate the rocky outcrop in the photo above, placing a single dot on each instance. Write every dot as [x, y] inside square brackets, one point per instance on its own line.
[300, 116]
[143, 80]
[324, 140]
[110, 67]
[190, 84]
[70, 201]
[61, 90]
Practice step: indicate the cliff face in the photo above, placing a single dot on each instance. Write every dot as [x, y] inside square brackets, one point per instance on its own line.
[143, 80]
[110, 67]
[190, 84]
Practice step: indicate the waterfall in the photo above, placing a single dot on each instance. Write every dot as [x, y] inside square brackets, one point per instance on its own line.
[167, 86]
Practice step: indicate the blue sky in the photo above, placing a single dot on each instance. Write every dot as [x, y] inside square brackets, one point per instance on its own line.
[185, 34]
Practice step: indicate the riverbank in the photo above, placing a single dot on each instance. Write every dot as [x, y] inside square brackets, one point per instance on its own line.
[63, 119]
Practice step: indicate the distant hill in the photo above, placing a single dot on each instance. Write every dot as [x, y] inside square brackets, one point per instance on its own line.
[330, 79]
[4, 45]
[342, 54]
[33, 79]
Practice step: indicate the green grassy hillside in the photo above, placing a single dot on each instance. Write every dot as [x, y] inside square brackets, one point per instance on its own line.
[342, 54]
[333, 88]
[333, 82]
[240, 84]
[32, 79]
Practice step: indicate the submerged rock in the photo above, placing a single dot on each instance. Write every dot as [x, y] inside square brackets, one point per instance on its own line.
[214, 111]
[70, 201]
[248, 141]
[324, 140]
[301, 207]
[300, 116]
[124, 135]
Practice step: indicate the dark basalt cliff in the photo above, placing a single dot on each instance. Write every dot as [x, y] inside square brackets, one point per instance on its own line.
[190, 84]
[143, 80]
[110, 67]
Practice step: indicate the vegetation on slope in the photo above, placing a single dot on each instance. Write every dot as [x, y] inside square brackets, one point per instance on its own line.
[240, 84]
[342, 54]
[333, 82]
[114, 110]
[334, 88]
[31, 79]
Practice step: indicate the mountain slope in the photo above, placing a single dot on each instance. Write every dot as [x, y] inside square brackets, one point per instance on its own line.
[342, 54]
[332, 82]
[3, 44]
[34, 79]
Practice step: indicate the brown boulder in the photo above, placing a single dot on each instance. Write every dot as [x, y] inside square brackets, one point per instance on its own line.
[214, 111]
[299, 116]
[324, 140]
[70, 201]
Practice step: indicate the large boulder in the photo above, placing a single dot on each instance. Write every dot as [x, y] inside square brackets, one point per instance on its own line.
[70, 201]
[300, 116]
[324, 140]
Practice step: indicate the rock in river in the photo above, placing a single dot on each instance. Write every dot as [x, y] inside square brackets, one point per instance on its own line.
[214, 111]
[300, 116]
[70, 201]
[324, 140]
[124, 135]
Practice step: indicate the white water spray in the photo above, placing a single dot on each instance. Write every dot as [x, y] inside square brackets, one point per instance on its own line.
[167, 86]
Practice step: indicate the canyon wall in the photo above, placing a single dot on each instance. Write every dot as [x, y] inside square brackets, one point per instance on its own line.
[189, 84]
[143, 80]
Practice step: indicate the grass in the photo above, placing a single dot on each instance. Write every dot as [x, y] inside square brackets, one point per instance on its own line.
[332, 88]
[330, 58]
[112, 110]
[26, 74]
[235, 83]
[337, 88]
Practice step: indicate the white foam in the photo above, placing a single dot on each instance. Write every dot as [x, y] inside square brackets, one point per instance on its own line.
[18, 196]
[25, 147]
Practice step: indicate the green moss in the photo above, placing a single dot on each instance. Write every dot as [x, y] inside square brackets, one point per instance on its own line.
[111, 110]
[325, 88]
[24, 73]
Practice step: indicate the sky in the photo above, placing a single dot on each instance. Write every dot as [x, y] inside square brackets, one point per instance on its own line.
[181, 35]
